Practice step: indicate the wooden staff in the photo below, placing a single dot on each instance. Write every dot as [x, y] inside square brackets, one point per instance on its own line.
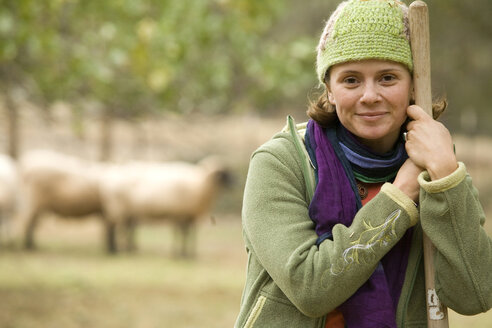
[418, 15]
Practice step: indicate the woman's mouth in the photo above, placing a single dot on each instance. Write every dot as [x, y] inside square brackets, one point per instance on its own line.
[371, 116]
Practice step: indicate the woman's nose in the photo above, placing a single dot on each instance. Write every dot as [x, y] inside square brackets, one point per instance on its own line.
[370, 94]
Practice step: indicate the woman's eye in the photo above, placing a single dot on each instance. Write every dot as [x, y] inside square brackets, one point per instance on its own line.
[388, 78]
[350, 80]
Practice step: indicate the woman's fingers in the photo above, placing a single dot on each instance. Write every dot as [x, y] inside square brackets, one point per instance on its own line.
[429, 143]
[417, 113]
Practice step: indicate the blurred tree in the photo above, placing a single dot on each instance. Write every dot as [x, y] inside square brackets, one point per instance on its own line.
[461, 33]
[130, 58]
[14, 72]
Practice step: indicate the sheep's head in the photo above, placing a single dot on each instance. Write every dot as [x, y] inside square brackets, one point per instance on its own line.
[218, 170]
[224, 177]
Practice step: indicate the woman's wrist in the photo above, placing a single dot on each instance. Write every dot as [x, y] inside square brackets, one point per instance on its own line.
[441, 169]
[407, 189]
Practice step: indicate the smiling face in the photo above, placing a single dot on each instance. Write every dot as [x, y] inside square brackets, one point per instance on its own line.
[371, 98]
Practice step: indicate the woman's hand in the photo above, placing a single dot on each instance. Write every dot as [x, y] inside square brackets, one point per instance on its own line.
[429, 144]
[406, 179]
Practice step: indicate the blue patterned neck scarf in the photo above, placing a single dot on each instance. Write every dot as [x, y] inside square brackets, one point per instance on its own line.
[367, 165]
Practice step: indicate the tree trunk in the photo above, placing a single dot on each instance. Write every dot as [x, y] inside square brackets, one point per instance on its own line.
[12, 127]
[106, 145]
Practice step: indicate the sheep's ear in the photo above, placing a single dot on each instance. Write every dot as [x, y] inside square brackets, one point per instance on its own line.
[225, 178]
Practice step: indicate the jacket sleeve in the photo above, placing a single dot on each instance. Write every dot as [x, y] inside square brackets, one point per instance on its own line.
[281, 234]
[452, 217]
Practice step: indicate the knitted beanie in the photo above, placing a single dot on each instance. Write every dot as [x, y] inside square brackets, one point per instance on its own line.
[365, 29]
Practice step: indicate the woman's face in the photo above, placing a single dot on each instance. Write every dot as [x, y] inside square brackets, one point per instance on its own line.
[371, 99]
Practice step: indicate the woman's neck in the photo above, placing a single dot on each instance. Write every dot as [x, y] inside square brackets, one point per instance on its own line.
[382, 145]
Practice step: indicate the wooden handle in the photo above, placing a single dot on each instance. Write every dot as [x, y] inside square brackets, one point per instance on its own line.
[437, 316]
[420, 41]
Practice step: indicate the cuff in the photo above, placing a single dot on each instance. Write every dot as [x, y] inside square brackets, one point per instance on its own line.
[403, 200]
[443, 184]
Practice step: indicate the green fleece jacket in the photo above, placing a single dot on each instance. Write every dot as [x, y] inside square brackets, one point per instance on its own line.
[291, 282]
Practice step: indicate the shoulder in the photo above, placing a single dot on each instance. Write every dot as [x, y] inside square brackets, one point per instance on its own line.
[283, 143]
[275, 156]
[286, 145]
[284, 157]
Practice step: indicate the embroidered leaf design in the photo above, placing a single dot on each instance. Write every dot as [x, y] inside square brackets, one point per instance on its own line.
[362, 249]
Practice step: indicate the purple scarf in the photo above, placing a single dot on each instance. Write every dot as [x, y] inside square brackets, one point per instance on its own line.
[335, 201]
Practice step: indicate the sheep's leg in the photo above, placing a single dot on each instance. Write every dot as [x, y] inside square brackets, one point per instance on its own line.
[177, 238]
[191, 239]
[187, 235]
[111, 237]
[3, 229]
[6, 228]
[32, 223]
[130, 225]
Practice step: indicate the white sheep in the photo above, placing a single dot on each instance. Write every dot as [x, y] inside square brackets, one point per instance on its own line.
[62, 185]
[178, 191]
[9, 187]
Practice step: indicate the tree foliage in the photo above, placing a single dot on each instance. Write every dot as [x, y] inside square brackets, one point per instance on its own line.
[212, 56]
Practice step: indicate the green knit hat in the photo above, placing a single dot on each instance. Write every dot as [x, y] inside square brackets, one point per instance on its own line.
[365, 29]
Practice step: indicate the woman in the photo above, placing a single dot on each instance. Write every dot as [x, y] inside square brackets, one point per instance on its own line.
[334, 210]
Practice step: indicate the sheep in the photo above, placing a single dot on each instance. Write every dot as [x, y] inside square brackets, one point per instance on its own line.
[60, 184]
[9, 188]
[179, 191]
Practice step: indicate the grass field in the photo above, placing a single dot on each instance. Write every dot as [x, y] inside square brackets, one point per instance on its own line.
[70, 282]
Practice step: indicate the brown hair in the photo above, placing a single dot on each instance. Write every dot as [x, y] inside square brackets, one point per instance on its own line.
[324, 113]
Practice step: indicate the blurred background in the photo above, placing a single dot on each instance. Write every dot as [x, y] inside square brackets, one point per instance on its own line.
[103, 83]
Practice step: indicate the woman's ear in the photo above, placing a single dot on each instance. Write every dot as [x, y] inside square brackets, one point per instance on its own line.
[412, 94]
[329, 95]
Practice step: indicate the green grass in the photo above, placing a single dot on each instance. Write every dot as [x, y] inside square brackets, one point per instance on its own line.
[70, 282]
